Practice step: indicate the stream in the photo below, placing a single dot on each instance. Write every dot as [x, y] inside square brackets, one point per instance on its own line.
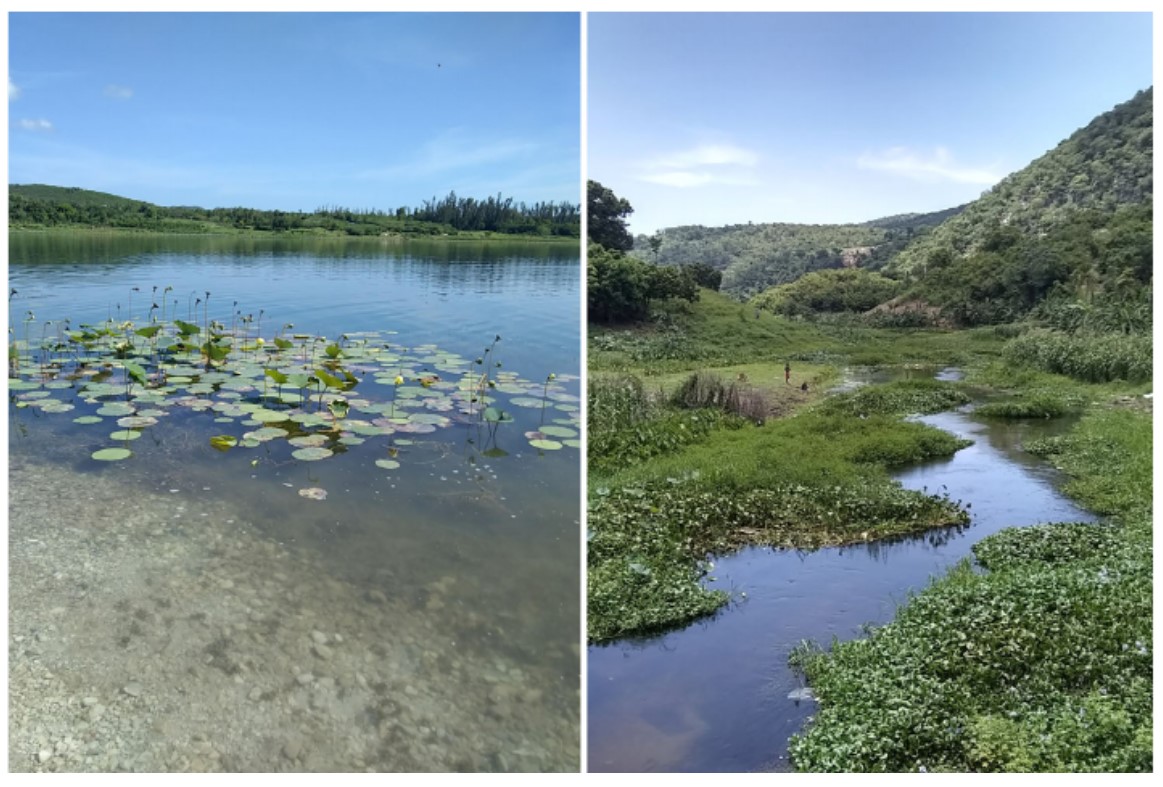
[718, 696]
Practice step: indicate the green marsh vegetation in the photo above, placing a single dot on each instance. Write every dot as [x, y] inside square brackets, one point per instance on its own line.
[1040, 662]
[690, 455]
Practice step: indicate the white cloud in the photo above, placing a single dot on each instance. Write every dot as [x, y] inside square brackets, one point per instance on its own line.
[118, 92]
[13, 91]
[702, 165]
[678, 179]
[938, 165]
[453, 151]
[39, 124]
[706, 155]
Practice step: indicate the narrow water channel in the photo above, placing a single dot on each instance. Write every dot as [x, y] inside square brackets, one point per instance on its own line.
[715, 696]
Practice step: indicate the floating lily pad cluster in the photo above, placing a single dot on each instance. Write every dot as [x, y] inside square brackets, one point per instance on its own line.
[321, 396]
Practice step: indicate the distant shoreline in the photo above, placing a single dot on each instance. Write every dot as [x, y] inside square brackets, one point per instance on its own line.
[458, 237]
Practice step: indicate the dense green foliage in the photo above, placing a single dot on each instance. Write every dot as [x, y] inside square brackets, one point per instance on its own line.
[1108, 459]
[620, 288]
[606, 218]
[1092, 358]
[1037, 405]
[902, 397]
[1041, 664]
[52, 206]
[1091, 272]
[844, 290]
[1067, 240]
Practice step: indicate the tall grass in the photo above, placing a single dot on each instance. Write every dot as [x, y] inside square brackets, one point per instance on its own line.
[628, 426]
[707, 390]
[1095, 358]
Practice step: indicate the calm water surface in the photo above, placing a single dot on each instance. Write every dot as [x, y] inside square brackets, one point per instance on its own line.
[715, 696]
[458, 571]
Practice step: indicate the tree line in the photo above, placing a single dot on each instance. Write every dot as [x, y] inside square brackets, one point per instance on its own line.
[449, 215]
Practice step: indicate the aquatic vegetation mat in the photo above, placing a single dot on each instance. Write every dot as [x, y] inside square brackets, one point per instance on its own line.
[321, 396]
[1042, 663]
[648, 544]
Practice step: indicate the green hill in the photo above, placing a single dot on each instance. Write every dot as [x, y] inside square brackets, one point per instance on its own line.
[73, 196]
[754, 257]
[1067, 239]
[1106, 165]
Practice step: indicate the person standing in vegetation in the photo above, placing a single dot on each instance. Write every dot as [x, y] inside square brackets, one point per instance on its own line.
[787, 373]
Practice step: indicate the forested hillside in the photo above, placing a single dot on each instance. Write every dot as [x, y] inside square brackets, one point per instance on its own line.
[1103, 166]
[1067, 239]
[754, 257]
[54, 206]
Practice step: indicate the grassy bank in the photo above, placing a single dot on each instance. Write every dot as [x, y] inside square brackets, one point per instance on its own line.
[719, 332]
[1040, 663]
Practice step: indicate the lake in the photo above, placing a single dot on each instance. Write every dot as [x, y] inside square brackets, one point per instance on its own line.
[376, 569]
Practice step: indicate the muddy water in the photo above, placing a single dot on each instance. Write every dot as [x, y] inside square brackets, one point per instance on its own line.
[715, 696]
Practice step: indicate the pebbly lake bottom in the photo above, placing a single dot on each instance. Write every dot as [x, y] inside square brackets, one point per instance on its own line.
[719, 695]
[158, 624]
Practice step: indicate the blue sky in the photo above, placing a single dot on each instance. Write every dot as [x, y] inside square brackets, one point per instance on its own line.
[297, 111]
[721, 119]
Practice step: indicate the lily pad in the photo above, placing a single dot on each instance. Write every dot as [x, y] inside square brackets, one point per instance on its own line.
[112, 454]
[125, 434]
[526, 401]
[312, 453]
[307, 440]
[546, 445]
[266, 433]
[313, 493]
[136, 421]
[88, 419]
[116, 408]
[559, 431]
[387, 464]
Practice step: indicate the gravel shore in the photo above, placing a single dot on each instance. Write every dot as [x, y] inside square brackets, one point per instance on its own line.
[149, 633]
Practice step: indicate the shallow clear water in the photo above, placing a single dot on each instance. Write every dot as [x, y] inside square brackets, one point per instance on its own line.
[467, 559]
[715, 696]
